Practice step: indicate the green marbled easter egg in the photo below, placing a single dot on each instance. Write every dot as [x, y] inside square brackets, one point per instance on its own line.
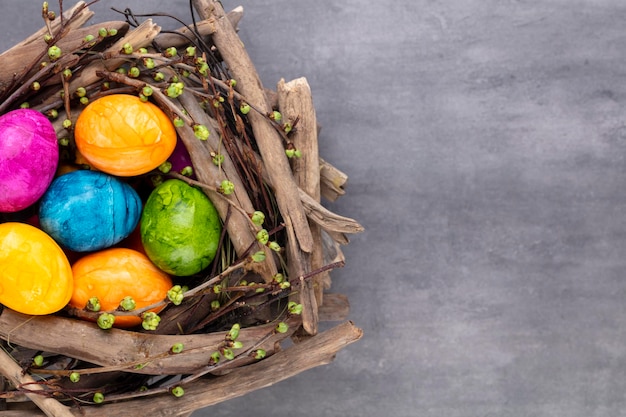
[180, 228]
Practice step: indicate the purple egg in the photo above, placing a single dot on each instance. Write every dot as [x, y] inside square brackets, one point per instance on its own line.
[29, 155]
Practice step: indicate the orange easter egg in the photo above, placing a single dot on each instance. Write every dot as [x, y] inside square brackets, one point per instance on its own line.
[121, 135]
[113, 274]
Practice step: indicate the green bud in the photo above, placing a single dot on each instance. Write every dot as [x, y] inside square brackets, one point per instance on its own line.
[258, 256]
[106, 320]
[217, 288]
[284, 285]
[290, 152]
[176, 295]
[127, 48]
[151, 320]
[84, 101]
[218, 158]
[215, 305]
[128, 304]
[233, 333]
[258, 218]
[201, 132]
[25, 105]
[177, 348]
[38, 361]
[64, 141]
[52, 113]
[149, 63]
[228, 354]
[142, 98]
[287, 127]
[165, 167]
[191, 51]
[147, 91]
[274, 246]
[187, 171]
[81, 92]
[262, 236]
[175, 89]
[244, 108]
[178, 122]
[74, 377]
[294, 308]
[237, 344]
[178, 391]
[227, 187]
[121, 70]
[134, 72]
[276, 116]
[297, 153]
[143, 50]
[112, 32]
[102, 32]
[47, 38]
[233, 82]
[282, 327]
[88, 38]
[35, 86]
[203, 68]
[98, 398]
[93, 304]
[54, 53]
[259, 354]
[170, 52]
[67, 123]
[215, 358]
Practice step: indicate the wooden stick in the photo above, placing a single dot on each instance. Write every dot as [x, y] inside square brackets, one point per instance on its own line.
[269, 141]
[296, 103]
[312, 352]
[13, 372]
[21, 57]
[120, 349]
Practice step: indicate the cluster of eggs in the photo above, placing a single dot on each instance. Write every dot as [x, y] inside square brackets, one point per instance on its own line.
[92, 213]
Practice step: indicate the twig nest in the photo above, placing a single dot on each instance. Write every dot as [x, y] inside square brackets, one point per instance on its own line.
[122, 135]
[29, 156]
[89, 210]
[36, 274]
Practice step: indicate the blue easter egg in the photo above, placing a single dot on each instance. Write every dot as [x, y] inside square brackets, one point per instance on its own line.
[88, 210]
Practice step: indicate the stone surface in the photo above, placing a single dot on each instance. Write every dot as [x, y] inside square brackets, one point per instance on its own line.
[485, 145]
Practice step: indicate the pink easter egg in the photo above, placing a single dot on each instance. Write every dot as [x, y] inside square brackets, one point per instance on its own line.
[29, 155]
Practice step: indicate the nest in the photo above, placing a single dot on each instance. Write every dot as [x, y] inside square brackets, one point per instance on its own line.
[252, 318]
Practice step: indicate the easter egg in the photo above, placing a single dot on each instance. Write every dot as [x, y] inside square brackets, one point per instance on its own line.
[35, 275]
[29, 155]
[89, 210]
[124, 136]
[111, 275]
[180, 228]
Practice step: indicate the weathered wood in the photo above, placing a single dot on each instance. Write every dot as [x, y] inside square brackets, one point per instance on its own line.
[295, 102]
[22, 56]
[13, 372]
[332, 181]
[269, 141]
[124, 349]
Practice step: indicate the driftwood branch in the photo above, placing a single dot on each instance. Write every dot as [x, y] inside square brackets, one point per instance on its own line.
[268, 139]
[296, 104]
[13, 372]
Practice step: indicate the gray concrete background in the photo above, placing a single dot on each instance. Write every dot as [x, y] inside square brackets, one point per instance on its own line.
[485, 142]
